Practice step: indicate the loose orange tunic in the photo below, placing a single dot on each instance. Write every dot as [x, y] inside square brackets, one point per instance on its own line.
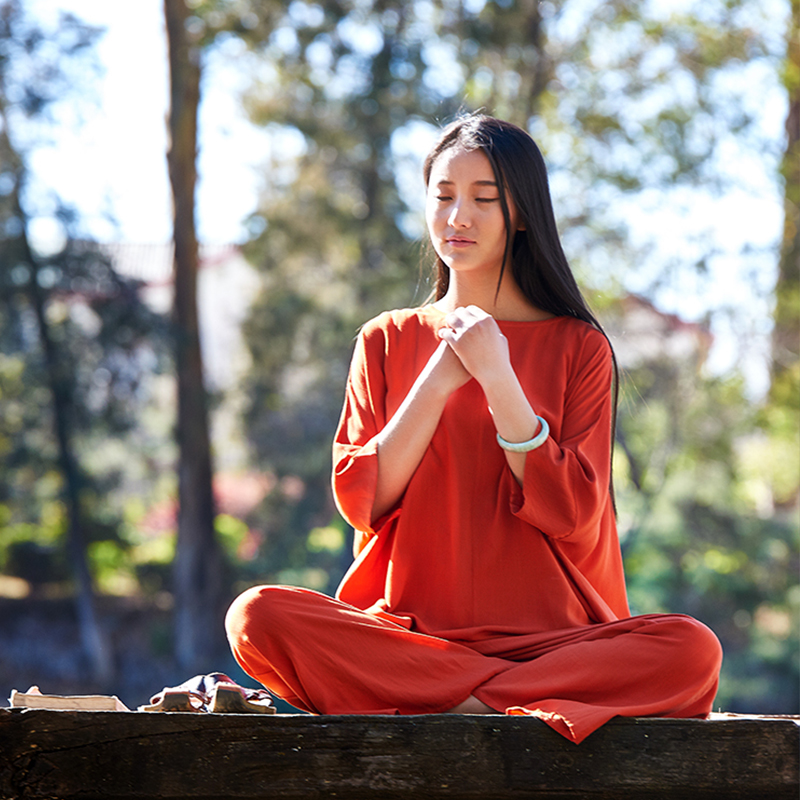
[473, 584]
[468, 554]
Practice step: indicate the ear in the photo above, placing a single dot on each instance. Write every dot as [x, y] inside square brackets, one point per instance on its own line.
[521, 226]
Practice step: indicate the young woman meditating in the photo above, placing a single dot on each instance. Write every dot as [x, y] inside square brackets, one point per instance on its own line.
[473, 459]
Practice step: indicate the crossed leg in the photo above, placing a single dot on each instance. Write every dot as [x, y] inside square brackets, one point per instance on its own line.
[327, 657]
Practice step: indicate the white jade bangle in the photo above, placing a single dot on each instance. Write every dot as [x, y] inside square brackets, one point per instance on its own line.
[531, 444]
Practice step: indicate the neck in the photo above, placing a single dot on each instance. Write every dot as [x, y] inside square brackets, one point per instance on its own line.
[481, 290]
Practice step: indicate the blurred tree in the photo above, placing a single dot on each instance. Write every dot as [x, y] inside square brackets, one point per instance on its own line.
[198, 563]
[698, 484]
[16, 36]
[696, 536]
[75, 340]
[784, 395]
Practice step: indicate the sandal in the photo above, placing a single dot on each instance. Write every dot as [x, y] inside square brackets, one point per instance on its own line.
[176, 700]
[230, 698]
[214, 692]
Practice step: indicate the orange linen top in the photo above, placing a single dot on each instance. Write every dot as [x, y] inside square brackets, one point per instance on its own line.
[468, 554]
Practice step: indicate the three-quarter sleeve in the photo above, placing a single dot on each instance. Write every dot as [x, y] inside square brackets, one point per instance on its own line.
[565, 488]
[355, 456]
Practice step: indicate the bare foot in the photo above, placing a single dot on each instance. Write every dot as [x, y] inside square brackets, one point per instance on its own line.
[471, 706]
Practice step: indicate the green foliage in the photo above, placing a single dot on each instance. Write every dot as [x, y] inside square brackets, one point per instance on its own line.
[699, 528]
[106, 342]
[736, 573]
[77, 341]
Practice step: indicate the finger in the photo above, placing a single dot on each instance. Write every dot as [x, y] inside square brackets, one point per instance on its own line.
[454, 319]
[475, 312]
[460, 320]
[465, 316]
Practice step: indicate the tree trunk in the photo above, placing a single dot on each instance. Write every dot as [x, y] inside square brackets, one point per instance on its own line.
[785, 384]
[197, 568]
[95, 645]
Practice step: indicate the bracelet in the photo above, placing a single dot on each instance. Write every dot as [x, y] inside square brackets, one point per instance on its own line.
[531, 444]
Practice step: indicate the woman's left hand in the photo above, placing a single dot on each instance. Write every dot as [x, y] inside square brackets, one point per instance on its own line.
[476, 339]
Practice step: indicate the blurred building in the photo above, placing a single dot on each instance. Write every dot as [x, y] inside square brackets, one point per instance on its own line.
[641, 334]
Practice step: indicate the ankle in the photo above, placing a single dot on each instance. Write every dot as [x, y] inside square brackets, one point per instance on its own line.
[471, 706]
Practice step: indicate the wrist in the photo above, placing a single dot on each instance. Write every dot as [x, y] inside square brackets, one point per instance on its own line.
[439, 387]
[444, 373]
[501, 387]
[514, 418]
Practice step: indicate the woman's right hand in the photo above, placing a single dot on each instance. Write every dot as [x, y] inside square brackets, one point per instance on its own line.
[403, 442]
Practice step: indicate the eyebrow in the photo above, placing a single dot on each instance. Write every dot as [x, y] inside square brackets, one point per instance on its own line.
[474, 183]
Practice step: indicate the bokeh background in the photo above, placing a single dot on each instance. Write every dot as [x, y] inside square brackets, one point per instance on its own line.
[202, 201]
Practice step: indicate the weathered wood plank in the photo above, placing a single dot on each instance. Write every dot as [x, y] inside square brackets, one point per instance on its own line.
[110, 755]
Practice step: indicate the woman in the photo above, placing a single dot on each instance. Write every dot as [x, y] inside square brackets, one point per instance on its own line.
[473, 459]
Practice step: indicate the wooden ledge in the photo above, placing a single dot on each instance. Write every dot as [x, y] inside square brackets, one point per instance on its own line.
[110, 755]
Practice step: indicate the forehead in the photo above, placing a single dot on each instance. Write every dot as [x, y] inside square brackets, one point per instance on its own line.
[457, 165]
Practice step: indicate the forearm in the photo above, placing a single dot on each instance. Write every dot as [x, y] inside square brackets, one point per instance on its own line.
[514, 418]
[403, 442]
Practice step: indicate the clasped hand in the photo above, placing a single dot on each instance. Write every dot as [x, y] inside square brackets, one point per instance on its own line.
[479, 347]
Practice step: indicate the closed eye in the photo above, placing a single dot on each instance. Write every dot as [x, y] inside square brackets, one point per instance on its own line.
[444, 198]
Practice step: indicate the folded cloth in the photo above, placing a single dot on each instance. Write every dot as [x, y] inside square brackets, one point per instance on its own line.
[34, 698]
[215, 692]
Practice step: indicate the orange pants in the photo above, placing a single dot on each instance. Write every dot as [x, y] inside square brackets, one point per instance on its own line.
[328, 657]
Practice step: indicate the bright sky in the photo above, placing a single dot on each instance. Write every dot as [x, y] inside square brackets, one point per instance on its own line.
[115, 162]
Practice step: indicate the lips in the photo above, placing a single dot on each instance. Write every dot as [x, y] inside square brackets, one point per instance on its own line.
[459, 241]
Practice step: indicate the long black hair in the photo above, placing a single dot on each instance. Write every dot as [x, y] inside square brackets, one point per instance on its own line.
[538, 263]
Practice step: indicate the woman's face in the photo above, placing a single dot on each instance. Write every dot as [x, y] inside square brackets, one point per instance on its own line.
[463, 212]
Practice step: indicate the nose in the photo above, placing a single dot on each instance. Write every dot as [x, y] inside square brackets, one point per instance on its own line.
[458, 217]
